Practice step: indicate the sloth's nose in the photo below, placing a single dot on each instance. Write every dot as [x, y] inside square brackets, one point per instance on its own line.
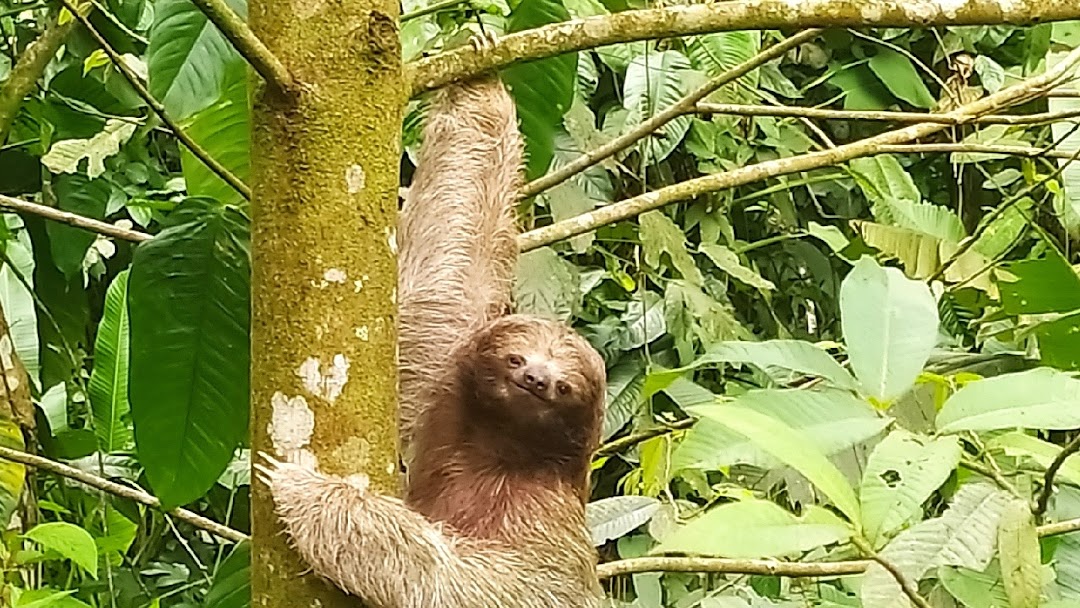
[537, 379]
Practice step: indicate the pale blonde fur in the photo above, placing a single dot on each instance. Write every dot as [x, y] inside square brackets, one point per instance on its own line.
[457, 233]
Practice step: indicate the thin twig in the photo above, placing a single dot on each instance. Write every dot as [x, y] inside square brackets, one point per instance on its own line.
[870, 146]
[155, 105]
[617, 445]
[883, 116]
[74, 219]
[673, 111]
[272, 70]
[1043, 500]
[432, 8]
[911, 590]
[116, 489]
[1026, 151]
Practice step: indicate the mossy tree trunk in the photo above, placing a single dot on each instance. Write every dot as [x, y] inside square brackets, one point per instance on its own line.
[324, 178]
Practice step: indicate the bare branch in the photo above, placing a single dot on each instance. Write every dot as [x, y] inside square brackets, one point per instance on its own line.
[28, 69]
[617, 445]
[675, 110]
[1043, 500]
[155, 105]
[1025, 151]
[910, 589]
[74, 219]
[870, 146]
[120, 490]
[768, 567]
[902, 117]
[683, 20]
[249, 46]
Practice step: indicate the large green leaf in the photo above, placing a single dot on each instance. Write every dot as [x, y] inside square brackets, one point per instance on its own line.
[789, 447]
[655, 82]
[223, 130]
[1067, 139]
[717, 53]
[187, 57]
[779, 358]
[660, 235]
[69, 541]
[1046, 284]
[624, 394]
[232, 580]
[831, 420]
[543, 90]
[964, 535]
[1019, 555]
[615, 516]
[87, 197]
[19, 310]
[890, 326]
[901, 474]
[1040, 398]
[547, 285]
[757, 528]
[188, 298]
[12, 474]
[899, 75]
[109, 380]
[882, 178]
[1020, 444]
[974, 589]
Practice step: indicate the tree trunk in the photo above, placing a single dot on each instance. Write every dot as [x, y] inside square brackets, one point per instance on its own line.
[324, 180]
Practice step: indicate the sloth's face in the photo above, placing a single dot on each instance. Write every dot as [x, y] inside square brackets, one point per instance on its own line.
[534, 372]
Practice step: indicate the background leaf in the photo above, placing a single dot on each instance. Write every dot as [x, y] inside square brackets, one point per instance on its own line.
[108, 386]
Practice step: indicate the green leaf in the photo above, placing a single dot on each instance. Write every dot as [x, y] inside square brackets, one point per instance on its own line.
[109, 379]
[188, 297]
[1004, 230]
[1040, 398]
[624, 394]
[990, 73]
[790, 448]
[660, 235]
[974, 589]
[728, 261]
[1059, 341]
[47, 597]
[755, 529]
[862, 90]
[1019, 444]
[616, 516]
[963, 536]
[1019, 554]
[86, 197]
[717, 53]
[70, 541]
[882, 178]
[187, 57]
[64, 156]
[890, 325]
[232, 580]
[12, 474]
[776, 357]
[901, 474]
[1048, 284]
[19, 309]
[547, 285]
[543, 90]
[655, 82]
[831, 420]
[899, 75]
[223, 130]
[1067, 140]
[922, 254]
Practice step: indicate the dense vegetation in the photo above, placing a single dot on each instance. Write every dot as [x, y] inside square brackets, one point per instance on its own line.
[864, 360]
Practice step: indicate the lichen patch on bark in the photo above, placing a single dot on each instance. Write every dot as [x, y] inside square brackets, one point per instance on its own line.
[325, 384]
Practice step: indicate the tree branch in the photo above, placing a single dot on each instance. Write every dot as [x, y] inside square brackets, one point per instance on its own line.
[1026, 151]
[1043, 500]
[617, 445]
[30, 66]
[870, 146]
[116, 489]
[155, 105]
[903, 117]
[910, 589]
[680, 107]
[233, 27]
[629, 26]
[721, 565]
[74, 219]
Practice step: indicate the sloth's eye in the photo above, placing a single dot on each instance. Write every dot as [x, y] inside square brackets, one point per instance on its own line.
[563, 388]
[515, 361]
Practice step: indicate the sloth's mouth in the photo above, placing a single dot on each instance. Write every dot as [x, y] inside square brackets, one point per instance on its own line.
[529, 391]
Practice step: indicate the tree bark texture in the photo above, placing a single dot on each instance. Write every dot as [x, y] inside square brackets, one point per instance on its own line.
[324, 180]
